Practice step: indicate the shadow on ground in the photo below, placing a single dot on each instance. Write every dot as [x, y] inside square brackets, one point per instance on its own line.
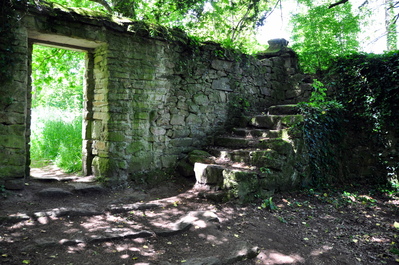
[72, 222]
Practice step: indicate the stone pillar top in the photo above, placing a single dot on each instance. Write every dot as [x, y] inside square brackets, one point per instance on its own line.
[277, 47]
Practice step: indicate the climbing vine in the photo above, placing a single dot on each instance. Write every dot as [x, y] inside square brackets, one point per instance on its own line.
[8, 20]
[368, 87]
[323, 132]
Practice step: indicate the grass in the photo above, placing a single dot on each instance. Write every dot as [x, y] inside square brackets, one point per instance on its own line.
[56, 138]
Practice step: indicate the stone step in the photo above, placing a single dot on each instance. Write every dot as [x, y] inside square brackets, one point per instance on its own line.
[275, 122]
[282, 146]
[289, 109]
[255, 159]
[251, 158]
[239, 183]
[260, 133]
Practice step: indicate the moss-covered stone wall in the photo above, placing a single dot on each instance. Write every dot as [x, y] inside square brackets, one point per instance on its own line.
[152, 94]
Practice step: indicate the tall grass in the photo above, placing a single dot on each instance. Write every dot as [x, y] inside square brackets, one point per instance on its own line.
[56, 137]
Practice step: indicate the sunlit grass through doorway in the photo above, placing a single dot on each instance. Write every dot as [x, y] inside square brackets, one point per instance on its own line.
[56, 113]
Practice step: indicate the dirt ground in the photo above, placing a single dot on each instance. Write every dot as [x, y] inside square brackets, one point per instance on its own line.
[143, 225]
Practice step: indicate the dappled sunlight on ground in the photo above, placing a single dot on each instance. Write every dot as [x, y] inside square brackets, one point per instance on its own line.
[112, 228]
[270, 257]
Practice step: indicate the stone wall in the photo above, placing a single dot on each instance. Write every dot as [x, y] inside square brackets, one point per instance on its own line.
[151, 94]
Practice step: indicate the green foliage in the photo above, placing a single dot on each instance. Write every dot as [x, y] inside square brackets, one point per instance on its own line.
[269, 204]
[57, 78]
[368, 87]
[56, 139]
[320, 34]
[57, 102]
[241, 104]
[229, 22]
[323, 133]
[238, 109]
[265, 170]
[3, 191]
[8, 20]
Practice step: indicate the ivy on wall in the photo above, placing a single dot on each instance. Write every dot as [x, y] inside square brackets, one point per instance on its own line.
[7, 24]
[367, 85]
[323, 132]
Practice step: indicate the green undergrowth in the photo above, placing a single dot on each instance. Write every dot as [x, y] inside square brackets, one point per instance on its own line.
[56, 138]
[338, 196]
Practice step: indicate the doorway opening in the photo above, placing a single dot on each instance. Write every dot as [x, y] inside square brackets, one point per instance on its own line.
[57, 105]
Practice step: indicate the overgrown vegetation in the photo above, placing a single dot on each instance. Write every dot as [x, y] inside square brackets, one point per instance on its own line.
[56, 138]
[57, 78]
[366, 106]
[57, 103]
[367, 85]
[238, 109]
[232, 23]
[320, 34]
[323, 132]
[8, 20]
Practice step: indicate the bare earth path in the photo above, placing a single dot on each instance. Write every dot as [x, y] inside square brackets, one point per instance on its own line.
[69, 222]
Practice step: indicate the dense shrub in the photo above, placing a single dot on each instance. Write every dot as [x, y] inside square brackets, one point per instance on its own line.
[367, 85]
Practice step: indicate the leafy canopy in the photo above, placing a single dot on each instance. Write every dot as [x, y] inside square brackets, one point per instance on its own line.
[57, 78]
[321, 33]
[230, 22]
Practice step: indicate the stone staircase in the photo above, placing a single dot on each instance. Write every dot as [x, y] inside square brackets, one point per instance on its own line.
[258, 159]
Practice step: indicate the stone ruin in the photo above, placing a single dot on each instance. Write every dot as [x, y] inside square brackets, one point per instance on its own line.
[151, 94]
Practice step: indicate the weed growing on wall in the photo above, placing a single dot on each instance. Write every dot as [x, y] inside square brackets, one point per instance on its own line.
[56, 140]
[238, 108]
[323, 132]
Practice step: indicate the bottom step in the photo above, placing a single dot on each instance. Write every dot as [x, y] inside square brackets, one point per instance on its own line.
[244, 185]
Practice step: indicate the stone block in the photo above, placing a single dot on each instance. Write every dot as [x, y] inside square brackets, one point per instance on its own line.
[135, 147]
[209, 174]
[13, 141]
[194, 119]
[222, 84]
[198, 156]
[181, 142]
[181, 133]
[177, 119]
[141, 163]
[201, 99]
[157, 131]
[279, 145]
[185, 169]
[117, 136]
[12, 118]
[100, 166]
[222, 65]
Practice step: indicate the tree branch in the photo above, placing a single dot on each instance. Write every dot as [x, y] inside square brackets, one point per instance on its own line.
[338, 3]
